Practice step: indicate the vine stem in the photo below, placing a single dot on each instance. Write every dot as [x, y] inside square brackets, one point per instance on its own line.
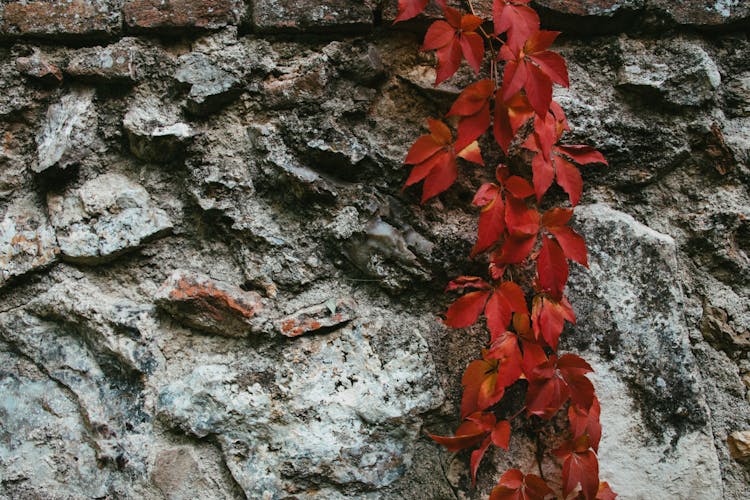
[490, 38]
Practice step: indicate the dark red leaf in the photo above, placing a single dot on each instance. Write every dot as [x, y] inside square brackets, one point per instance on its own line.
[514, 485]
[464, 282]
[472, 46]
[438, 35]
[553, 65]
[569, 178]
[409, 8]
[449, 59]
[491, 225]
[583, 155]
[439, 179]
[552, 268]
[586, 422]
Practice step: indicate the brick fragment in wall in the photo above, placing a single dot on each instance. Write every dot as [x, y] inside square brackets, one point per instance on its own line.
[209, 305]
[318, 317]
[68, 19]
[182, 14]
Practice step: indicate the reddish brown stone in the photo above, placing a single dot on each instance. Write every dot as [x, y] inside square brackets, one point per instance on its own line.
[209, 305]
[166, 14]
[37, 66]
[317, 317]
[70, 18]
[482, 8]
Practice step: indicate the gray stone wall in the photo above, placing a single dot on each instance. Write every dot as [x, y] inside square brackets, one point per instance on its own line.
[212, 285]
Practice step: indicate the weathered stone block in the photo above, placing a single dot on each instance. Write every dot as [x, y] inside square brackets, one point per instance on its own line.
[27, 241]
[37, 66]
[69, 131]
[210, 86]
[182, 14]
[328, 15]
[155, 132]
[70, 18]
[105, 217]
[210, 305]
[121, 61]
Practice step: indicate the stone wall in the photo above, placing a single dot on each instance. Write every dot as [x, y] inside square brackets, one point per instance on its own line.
[212, 285]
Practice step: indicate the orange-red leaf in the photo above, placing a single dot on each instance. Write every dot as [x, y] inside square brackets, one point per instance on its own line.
[544, 174]
[438, 35]
[585, 421]
[464, 282]
[571, 243]
[569, 178]
[481, 388]
[472, 46]
[548, 318]
[580, 466]
[468, 434]
[449, 59]
[440, 178]
[553, 65]
[520, 21]
[538, 88]
[506, 299]
[510, 115]
[501, 434]
[465, 311]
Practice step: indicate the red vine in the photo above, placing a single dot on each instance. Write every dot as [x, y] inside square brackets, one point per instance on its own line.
[513, 231]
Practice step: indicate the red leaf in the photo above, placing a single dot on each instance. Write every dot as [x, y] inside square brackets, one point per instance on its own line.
[409, 8]
[486, 194]
[552, 267]
[548, 318]
[423, 148]
[518, 187]
[470, 22]
[439, 131]
[519, 21]
[571, 243]
[515, 75]
[470, 128]
[573, 370]
[547, 390]
[465, 311]
[569, 178]
[553, 65]
[504, 348]
[510, 115]
[472, 46]
[449, 59]
[464, 282]
[501, 434]
[533, 356]
[473, 98]
[481, 389]
[513, 485]
[503, 303]
[514, 250]
[586, 422]
[580, 466]
[581, 154]
[472, 153]
[605, 492]
[438, 35]
[544, 174]
[556, 217]
[538, 88]
[521, 220]
[540, 41]
[468, 434]
[491, 224]
[440, 178]
[419, 172]
[476, 458]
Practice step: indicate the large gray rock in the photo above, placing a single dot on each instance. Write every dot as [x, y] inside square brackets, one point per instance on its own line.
[69, 131]
[678, 71]
[327, 401]
[658, 439]
[27, 240]
[104, 218]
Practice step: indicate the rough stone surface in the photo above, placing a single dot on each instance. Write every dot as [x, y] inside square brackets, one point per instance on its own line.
[123, 61]
[155, 132]
[68, 19]
[258, 159]
[209, 305]
[69, 131]
[103, 218]
[27, 241]
[327, 15]
[182, 14]
[37, 66]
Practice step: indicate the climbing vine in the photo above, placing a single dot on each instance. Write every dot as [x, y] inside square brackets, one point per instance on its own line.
[518, 231]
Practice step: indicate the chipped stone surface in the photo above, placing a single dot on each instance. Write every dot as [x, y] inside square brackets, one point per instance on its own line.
[739, 445]
[69, 131]
[209, 305]
[27, 240]
[155, 132]
[70, 18]
[324, 316]
[210, 86]
[182, 14]
[103, 218]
